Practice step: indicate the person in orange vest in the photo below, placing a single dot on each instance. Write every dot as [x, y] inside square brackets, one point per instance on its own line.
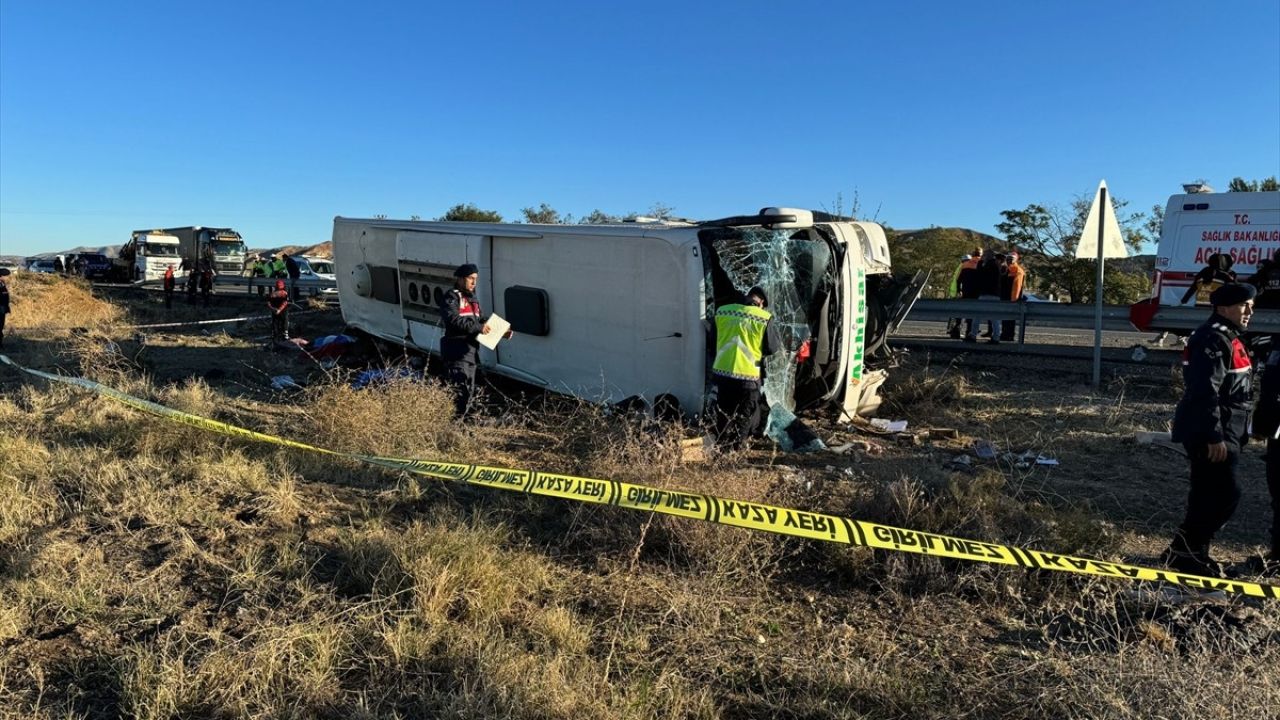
[169, 284]
[967, 262]
[278, 302]
[1014, 283]
[966, 284]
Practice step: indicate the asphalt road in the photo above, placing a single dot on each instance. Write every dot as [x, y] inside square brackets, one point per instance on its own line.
[1040, 335]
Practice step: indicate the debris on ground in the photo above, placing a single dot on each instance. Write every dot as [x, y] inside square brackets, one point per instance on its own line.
[985, 449]
[695, 449]
[790, 433]
[1028, 459]
[912, 439]
[893, 426]
[370, 378]
[284, 382]
[331, 346]
[1143, 437]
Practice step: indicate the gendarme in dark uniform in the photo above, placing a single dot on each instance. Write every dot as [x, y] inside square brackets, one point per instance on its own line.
[1266, 419]
[463, 320]
[1211, 422]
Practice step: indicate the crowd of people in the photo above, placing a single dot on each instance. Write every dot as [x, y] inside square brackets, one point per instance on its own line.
[991, 276]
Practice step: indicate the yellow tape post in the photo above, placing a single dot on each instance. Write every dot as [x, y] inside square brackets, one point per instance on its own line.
[700, 506]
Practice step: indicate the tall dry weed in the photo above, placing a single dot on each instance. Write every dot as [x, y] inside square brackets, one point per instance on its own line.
[401, 418]
[48, 304]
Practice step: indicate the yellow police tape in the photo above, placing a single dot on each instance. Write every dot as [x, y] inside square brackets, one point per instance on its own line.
[724, 511]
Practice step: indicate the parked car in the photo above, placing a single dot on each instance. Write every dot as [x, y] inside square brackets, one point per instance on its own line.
[42, 265]
[318, 269]
[94, 266]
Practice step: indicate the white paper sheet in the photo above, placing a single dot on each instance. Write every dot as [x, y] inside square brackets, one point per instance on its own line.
[497, 328]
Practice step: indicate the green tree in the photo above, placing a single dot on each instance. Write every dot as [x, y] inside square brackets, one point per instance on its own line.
[544, 214]
[662, 211]
[1239, 184]
[468, 212]
[599, 217]
[1048, 236]
[937, 250]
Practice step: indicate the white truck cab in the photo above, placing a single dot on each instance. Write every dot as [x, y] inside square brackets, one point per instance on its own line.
[608, 312]
[148, 253]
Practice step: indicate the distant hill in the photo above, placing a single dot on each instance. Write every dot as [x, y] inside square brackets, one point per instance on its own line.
[321, 250]
[970, 238]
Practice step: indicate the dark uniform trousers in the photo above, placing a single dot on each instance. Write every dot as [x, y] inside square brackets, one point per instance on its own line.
[1214, 495]
[280, 326]
[737, 410]
[461, 376]
[1273, 485]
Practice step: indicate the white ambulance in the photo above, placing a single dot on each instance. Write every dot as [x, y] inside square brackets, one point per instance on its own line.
[1243, 226]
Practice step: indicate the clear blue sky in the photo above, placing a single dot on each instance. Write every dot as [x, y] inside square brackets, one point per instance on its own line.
[272, 117]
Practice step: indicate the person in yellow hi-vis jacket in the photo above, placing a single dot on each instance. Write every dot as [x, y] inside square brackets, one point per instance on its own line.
[745, 335]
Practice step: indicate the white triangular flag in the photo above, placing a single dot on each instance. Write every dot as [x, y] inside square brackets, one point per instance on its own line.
[1112, 240]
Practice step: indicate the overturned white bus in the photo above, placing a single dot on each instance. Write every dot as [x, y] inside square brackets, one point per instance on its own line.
[607, 312]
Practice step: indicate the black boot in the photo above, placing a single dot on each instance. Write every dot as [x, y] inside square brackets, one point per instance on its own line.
[1190, 560]
[1264, 565]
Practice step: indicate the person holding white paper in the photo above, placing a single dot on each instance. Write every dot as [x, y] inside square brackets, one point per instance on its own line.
[461, 315]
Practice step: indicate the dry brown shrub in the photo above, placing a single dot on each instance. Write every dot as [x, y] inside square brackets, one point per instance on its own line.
[604, 442]
[916, 390]
[43, 303]
[402, 418]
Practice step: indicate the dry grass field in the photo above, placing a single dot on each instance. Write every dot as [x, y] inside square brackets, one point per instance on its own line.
[152, 570]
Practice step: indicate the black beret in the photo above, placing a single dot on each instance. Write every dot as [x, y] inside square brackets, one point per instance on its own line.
[1232, 294]
[466, 269]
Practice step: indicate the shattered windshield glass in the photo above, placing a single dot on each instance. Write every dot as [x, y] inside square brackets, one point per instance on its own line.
[798, 272]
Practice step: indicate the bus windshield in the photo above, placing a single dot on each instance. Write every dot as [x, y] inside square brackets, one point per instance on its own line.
[799, 270]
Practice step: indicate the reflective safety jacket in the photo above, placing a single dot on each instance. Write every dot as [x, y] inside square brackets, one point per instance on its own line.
[740, 340]
[1217, 387]
[279, 269]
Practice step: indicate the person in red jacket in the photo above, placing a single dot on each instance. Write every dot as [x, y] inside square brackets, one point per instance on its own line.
[169, 283]
[278, 302]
